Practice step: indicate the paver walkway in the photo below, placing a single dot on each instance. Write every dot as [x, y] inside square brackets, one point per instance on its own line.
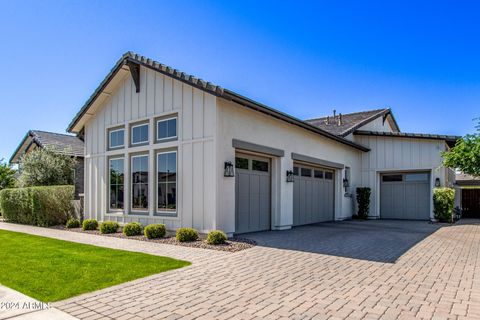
[435, 276]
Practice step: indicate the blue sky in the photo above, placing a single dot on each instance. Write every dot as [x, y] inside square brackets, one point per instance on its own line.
[306, 59]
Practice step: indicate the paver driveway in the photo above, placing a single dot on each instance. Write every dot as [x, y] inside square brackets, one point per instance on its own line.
[428, 271]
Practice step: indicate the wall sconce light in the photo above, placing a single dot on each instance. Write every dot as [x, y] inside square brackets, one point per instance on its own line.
[228, 170]
[346, 183]
[290, 176]
[437, 182]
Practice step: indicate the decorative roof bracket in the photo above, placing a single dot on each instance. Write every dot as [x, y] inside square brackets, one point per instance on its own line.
[135, 72]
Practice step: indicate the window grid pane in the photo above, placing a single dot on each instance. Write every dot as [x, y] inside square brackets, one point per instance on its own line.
[167, 181]
[116, 138]
[116, 183]
[166, 129]
[140, 182]
[140, 134]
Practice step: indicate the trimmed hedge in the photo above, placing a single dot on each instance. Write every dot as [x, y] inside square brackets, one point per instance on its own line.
[72, 223]
[186, 235]
[443, 203]
[108, 227]
[154, 231]
[132, 229]
[38, 206]
[363, 202]
[90, 224]
[216, 237]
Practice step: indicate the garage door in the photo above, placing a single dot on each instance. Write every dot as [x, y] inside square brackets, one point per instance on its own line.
[313, 195]
[252, 191]
[405, 196]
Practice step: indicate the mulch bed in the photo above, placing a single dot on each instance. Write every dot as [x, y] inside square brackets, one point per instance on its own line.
[232, 245]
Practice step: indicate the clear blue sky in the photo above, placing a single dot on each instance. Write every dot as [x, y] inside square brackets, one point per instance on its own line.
[306, 59]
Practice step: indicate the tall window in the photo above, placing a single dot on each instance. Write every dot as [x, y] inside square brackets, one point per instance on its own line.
[116, 183]
[116, 138]
[166, 129]
[139, 134]
[140, 182]
[167, 181]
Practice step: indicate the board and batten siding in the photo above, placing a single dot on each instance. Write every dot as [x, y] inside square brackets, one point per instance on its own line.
[159, 96]
[394, 154]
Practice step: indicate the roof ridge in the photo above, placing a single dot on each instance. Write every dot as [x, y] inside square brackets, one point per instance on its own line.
[351, 113]
[57, 133]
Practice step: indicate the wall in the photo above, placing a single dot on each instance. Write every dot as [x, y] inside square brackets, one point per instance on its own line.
[237, 122]
[377, 125]
[159, 95]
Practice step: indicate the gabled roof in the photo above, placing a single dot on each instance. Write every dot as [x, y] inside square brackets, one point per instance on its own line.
[450, 140]
[61, 143]
[124, 66]
[349, 122]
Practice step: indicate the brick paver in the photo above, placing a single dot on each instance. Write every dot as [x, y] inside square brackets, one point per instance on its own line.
[346, 270]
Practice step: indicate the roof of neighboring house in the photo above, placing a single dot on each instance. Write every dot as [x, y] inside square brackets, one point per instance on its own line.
[462, 179]
[62, 143]
[344, 124]
[449, 139]
[206, 86]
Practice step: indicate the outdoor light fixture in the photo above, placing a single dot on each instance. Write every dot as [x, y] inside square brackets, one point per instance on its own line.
[228, 171]
[346, 183]
[437, 182]
[289, 176]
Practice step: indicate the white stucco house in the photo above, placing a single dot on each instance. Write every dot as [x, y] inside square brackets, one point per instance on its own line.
[162, 146]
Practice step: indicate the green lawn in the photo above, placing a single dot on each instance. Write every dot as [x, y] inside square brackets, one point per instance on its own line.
[51, 270]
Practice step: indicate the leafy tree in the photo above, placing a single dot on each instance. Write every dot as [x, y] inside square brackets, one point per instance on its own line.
[45, 167]
[465, 155]
[7, 175]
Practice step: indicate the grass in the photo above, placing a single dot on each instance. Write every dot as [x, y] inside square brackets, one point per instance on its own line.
[51, 270]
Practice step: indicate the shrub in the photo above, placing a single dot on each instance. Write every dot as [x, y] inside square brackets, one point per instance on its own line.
[154, 231]
[186, 234]
[40, 206]
[363, 201]
[443, 202]
[90, 224]
[216, 237]
[108, 227]
[72, 223]
[132, 229]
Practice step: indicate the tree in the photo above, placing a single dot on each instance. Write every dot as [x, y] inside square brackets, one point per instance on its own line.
[7, 175]
[465, 155]
[45, 167]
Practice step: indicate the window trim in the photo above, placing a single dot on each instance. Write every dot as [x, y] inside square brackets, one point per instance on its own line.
[110, 131]
[141, 143]
[163, 212]
[110, 209]
[137, 210]
[157, 121]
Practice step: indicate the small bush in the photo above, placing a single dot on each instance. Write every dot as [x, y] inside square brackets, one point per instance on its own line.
[132, 229]
[154, 231]
[90, 224]
[72, 223]
[186, 234]
[363, 201]
[443, 203]
[108, 227]
[216, 237]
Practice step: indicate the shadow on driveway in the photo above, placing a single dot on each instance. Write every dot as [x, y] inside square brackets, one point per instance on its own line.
[373, 240]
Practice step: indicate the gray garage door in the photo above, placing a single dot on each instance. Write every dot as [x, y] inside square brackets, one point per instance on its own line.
[252, 190]
[405, 196]
[313, 195]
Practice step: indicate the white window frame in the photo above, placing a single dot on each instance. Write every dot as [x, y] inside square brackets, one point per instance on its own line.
[110, 209]
[163, 120]
[166, 212]
[110, 138]
[133, 210]
[141, 142]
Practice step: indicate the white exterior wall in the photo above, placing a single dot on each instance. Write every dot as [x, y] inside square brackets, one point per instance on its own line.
[159, 96]
[394, 154]
[377, 125]
[237, 122]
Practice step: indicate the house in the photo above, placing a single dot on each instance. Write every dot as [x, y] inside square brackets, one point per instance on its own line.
[61, 143]
[162, 146]
[467, 195]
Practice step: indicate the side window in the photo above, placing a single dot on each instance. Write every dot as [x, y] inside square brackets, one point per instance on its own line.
[116, 181]
[116, 138]
[139, 134]
[166, 129]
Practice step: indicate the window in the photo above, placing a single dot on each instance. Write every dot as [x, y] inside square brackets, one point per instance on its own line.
[166, 129]
[328, 175]
[116, 183]
[258, 165]
[416, 177]
[116, 138]
[241, 163]
[318, 174]
[167, 181]
[392, 178]
[295, 171]
[305, 172]
[140, 134]
[140, 182]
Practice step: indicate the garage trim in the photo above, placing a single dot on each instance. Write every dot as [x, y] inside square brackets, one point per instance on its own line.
[316, 161]
[243, 145]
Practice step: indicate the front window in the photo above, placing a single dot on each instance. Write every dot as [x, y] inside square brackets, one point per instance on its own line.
[140, 182]
[140, 134]
[167, 181]
[116, 183]
[116, 138]
[166, 129]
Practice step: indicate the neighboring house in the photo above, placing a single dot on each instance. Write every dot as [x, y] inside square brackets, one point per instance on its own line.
[160, 147]
[61, 143]
[467, 195]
